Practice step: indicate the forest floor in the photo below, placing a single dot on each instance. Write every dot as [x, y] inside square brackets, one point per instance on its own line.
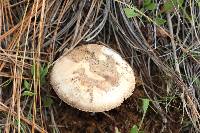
[160, 39]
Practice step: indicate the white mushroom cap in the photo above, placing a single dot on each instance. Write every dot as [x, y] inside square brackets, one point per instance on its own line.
[93, 78]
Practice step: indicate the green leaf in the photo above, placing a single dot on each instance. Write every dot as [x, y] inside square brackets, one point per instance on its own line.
[47, 101]
[43, 73]
[180, 2]
[33, 69]
[151, 6]
[134, 129]
[168, 6]
[28, 93]
[145, 105]
[147, 2]
[160, 21]
[22, 125]
[130, 12]
[27, 85]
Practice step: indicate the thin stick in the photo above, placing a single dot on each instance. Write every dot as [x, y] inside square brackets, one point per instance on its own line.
[177, 69]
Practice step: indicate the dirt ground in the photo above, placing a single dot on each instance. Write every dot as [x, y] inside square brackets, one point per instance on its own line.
[71, 120]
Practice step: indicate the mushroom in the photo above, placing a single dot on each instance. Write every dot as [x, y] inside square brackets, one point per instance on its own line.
[92, 78]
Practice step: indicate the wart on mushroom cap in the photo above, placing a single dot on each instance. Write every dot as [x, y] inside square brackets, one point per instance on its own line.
[93, 78]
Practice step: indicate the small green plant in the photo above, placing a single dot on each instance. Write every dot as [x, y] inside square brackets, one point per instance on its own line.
[149, 5]
[135, 129]
[27, 89]
[28, 93]
[145, 106]
[43, 72]
[33, 70]
[171, 4]
[27, 85]
[130, 12]
[160, 21]
[23, 127]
